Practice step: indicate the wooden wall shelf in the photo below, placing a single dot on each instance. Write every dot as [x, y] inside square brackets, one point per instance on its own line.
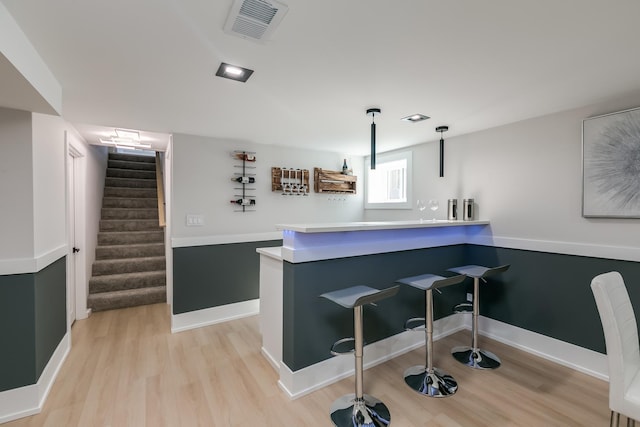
[290, 181]
[327, 181]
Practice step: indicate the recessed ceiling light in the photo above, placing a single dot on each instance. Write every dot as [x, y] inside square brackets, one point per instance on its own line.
[234, 72]
[415, 118]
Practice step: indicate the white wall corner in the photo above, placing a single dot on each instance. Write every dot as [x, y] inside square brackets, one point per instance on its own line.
[29, 400]
[18, 50]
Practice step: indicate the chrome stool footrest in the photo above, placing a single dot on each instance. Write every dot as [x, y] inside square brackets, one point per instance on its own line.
[347, 411]
[463, 307]
[334, 347]
[475, 358]
[421, 322]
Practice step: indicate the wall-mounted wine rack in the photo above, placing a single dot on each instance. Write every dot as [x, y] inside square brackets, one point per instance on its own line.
[327, 181]
[291, 182]
[244, 199]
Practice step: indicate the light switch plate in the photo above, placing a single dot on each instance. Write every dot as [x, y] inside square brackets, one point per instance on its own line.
[194, 220]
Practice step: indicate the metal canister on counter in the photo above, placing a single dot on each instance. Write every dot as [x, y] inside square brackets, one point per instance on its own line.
[468, 210]
[452, 210]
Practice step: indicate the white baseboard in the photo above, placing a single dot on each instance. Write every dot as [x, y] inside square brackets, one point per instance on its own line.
[274, 363]
[304, 381]
[579, 358]
[210, 316]
[28, 400]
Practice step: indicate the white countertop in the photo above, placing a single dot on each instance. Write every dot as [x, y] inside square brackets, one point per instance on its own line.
[333, 227]
[274, 252]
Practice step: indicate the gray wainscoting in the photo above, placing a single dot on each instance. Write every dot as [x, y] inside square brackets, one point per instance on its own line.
[542, 292]
[32, 323]
[550, 293]
[214, 275]
[312, 324]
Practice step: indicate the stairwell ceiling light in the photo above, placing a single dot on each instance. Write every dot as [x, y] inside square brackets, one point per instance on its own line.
[122, 142]
[128, 134]
[234, 72]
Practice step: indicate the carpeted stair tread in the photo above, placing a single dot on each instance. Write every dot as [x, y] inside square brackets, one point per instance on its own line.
[126, 298]
[106, 238]
[111, 181]
[129, 225]
[129, 202]
[123, 281]
[102, 267]
[124, 164]
[130, 192]
[139, 250]
[130, 173]
[132, 158]
[130, 213]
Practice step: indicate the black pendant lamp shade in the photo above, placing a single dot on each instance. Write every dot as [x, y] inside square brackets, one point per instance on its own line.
[372, 112]
[442, 129]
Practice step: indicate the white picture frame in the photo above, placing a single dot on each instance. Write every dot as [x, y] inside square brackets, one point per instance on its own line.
[611, 165]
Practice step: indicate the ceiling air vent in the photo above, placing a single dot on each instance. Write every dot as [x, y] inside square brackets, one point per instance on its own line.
[254, 19]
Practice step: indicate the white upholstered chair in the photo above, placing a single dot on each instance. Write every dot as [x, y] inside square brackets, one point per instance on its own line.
[623, 351]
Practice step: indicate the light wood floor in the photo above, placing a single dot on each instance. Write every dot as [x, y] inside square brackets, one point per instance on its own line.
[127, 369]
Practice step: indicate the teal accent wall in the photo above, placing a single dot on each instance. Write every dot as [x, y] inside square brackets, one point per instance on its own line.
[550, 293]
[17, 327]
[214, 275]
[32, 323]
[546, 293]
[50, 290]
[312, 324]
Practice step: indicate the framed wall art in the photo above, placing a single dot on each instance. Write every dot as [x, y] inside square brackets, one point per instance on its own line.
[611, 165]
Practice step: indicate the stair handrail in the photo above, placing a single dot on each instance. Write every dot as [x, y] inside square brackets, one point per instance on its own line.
[160, 190]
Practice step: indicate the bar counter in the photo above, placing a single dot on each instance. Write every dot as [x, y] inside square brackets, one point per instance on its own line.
[298, 328]
[314, 242]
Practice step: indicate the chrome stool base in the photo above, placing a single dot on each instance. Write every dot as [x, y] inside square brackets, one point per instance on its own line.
[347, 411]
[478, 359]
[434, 384]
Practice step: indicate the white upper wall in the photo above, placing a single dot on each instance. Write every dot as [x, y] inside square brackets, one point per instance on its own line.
[16, 187]
[526, 178]
[49, 202]
[202, 172]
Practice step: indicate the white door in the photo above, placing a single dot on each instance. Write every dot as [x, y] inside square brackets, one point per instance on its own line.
[71, 269]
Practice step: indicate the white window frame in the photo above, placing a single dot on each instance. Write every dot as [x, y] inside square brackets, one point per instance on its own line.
[385, 158]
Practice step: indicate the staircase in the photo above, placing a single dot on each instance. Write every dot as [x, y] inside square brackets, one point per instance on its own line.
[129, 269]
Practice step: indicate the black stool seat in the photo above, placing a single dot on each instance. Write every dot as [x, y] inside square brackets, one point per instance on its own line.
[359, 295]
[426, 379]
[479, 270]
[473, 356]
[359, 409]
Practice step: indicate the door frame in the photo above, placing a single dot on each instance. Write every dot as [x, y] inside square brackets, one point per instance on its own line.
[76, 184]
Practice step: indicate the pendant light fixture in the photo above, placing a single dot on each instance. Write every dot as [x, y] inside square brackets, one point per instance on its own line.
[442, 129]
[372, 112]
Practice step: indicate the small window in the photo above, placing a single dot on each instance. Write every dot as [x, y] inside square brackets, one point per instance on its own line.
[388, 186]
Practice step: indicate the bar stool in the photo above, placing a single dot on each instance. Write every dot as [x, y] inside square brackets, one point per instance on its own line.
[473, 356]
[426, 379]
[359, 409]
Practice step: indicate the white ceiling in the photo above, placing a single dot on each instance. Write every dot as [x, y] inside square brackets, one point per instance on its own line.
[471, 65]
